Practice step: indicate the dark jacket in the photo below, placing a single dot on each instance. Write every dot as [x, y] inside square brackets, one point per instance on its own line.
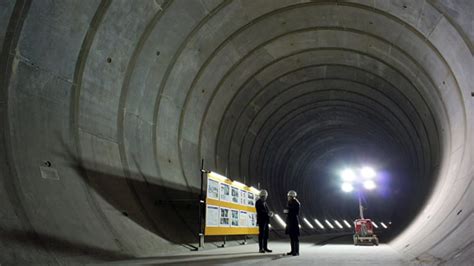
[262, 212]
[292, 220]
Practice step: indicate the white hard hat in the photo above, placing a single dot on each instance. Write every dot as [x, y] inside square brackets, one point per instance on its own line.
[292, 193]
[263, 193]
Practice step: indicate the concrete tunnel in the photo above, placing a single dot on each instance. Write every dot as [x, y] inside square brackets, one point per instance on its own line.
[108, 107]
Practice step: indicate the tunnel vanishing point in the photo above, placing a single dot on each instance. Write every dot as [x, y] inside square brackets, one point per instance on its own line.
[107, 109]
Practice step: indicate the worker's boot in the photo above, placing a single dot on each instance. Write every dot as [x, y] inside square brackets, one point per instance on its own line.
[265, 246]
[260, 244]
[297, 248]
[292, 247]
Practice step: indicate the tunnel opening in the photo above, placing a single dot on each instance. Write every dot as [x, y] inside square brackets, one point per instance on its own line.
[315, 132]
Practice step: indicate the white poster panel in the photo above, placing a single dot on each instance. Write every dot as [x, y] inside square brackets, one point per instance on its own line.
[234, 214]
[235, 195]
[243, 219]
[250, 199]
[212, 189]
[252, 219]
[225, 192]
[243, 197]
[224, 217]
[212, 215]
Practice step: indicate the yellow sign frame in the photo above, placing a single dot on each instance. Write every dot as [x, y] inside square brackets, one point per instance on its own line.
[227, 229]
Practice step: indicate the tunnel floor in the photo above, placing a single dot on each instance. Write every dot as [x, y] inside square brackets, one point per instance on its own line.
[310, 254]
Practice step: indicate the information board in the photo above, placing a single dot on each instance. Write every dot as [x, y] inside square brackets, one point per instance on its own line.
[230, 207]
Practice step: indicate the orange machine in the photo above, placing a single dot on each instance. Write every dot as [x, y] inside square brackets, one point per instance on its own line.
[364, 233]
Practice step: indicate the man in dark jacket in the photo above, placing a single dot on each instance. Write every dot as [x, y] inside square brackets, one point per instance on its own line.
[263, 220]
[292, 223]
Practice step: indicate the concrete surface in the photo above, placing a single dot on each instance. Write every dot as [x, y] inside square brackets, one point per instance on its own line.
[310, 254]
[123, 99]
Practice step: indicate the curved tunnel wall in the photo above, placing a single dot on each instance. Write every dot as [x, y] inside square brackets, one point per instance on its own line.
[125, 98]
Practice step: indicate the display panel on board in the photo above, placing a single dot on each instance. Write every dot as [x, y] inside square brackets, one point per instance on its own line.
[234, 215]
[224, 217]
[212, 215]
[225, 192]
[250, 199]
[235, 195]
[213, 189]
[243, 197]
[243, 219]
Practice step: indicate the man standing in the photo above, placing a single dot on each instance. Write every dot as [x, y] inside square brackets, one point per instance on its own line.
[263, 219]
[292, 223]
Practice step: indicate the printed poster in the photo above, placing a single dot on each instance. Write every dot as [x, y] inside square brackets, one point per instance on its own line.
[235, 195]
[224, 217]
[212, 216]
[225, 192]
[234, 214]
[252, 219]
[243, 198]
[212, 189]
[250, 199]
[243, 219]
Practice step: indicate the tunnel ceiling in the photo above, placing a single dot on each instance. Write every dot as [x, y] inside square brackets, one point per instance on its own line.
[126, 98]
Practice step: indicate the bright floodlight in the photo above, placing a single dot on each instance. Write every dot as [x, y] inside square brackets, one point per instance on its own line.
[279, 220]
[367, 172]
[375, 225]
[329, 224]
[338, 224]
[347, 224]
[319, 223]
[346, 187]
[384, 226]
[369, 184]
[308, 223]
[348, 175]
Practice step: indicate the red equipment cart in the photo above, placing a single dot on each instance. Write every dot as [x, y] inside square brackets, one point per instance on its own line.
[364, 232]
